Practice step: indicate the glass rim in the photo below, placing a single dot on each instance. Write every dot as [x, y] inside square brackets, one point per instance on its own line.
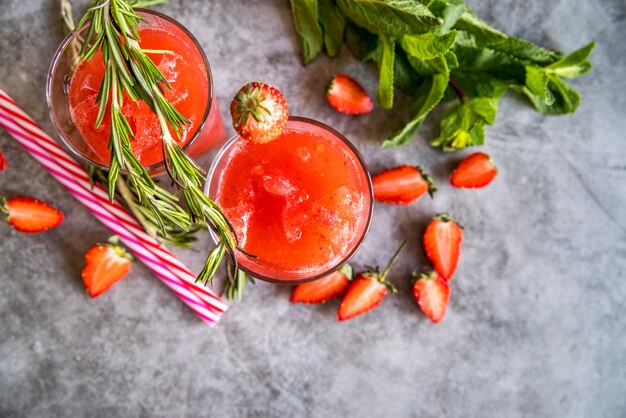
[61, 50]
[225, 148]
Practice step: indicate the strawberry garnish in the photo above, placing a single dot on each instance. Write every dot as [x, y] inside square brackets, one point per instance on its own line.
[347, 96]
[30, 215]
[106, 264]
[442, 242]
[432, 294]
[367, 290]
[3, 162]
[324, 289]
[402, 185]
[259, 112]
[475, 171]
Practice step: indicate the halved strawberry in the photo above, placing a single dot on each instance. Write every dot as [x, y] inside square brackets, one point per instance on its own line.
[30, 215]
[259, 112]
[432, 294]
[3, 162]
[442, 242]
[324, 289]
[475, 171]
[402, 185]
[106, 264]
[347, 96]
[367, 290]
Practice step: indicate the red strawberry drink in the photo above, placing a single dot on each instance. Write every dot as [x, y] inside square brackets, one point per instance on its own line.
[182, 62]
[300, 204]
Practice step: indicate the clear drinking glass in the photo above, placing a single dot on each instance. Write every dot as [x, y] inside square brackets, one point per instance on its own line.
[208, 134]
[256, 267]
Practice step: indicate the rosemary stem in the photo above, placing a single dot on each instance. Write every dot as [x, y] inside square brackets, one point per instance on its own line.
[127, 195]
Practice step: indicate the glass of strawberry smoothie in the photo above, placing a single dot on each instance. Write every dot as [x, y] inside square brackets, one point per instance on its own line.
[300, 205]
[73, 85]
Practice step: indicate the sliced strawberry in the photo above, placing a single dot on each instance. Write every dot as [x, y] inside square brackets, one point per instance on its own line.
[259, 112]
[347, 96]
[432, 294]
[477, 170]
[324, 289]
[106, 264]
[402, 185]
[367, 290]
[442, 242]
[29, 215]
[3, 162]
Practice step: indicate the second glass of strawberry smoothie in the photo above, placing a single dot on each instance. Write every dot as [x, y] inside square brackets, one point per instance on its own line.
[72, 89]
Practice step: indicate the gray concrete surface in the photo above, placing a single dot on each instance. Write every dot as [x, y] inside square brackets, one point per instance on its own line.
[536, 325]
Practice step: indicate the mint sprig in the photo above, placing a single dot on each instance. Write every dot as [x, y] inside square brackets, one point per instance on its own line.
[439, 51]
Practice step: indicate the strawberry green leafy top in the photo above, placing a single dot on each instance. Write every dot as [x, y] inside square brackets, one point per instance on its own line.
[112, 28]
[437, 51]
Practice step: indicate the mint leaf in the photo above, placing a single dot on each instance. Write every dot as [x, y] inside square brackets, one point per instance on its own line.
[484, 60]
[333, 25]
[463, 125]
[477, 84]
[428, 96]
[390, 17]
[573, 64]
[449, 12]
[451, 60]
[566, 99]
[488, 37]
[428, 46]
[305, 17]
[362, 44]
[405, 78]
[386, 67]
[537, 83]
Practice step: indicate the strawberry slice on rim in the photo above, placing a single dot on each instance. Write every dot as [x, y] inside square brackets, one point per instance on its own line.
[348, 96]
[259, 112]
[29, 215]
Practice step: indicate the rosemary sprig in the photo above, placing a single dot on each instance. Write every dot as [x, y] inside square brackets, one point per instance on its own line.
[113, 29]
[236, 283]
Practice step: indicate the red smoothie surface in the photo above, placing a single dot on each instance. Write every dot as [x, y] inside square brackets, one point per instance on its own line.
[300, 204]
[184, 69]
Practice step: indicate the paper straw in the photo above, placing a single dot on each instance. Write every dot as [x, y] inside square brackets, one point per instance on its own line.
[156, 257]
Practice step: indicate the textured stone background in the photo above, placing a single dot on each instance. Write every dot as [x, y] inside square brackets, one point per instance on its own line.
[536, 325]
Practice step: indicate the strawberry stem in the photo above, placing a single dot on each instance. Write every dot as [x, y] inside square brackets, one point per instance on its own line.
[383, 276]
[3, 205]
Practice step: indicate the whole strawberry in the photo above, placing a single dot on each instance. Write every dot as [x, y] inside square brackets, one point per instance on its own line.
[432, 294]
[319, 291]
[402, 185]
[105, 265]
[347, 96]
[474, 172]
[3, 162]
[367, 290]
[259, 112]
[29, 215]
[442, 242]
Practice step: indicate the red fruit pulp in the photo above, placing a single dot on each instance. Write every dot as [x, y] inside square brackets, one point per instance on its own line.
[300, 203]
[184, 69]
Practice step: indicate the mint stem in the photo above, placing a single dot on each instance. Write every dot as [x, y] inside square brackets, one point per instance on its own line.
[458, 90]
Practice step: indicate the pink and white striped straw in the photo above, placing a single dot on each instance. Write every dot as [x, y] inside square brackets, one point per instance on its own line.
[161, 261]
